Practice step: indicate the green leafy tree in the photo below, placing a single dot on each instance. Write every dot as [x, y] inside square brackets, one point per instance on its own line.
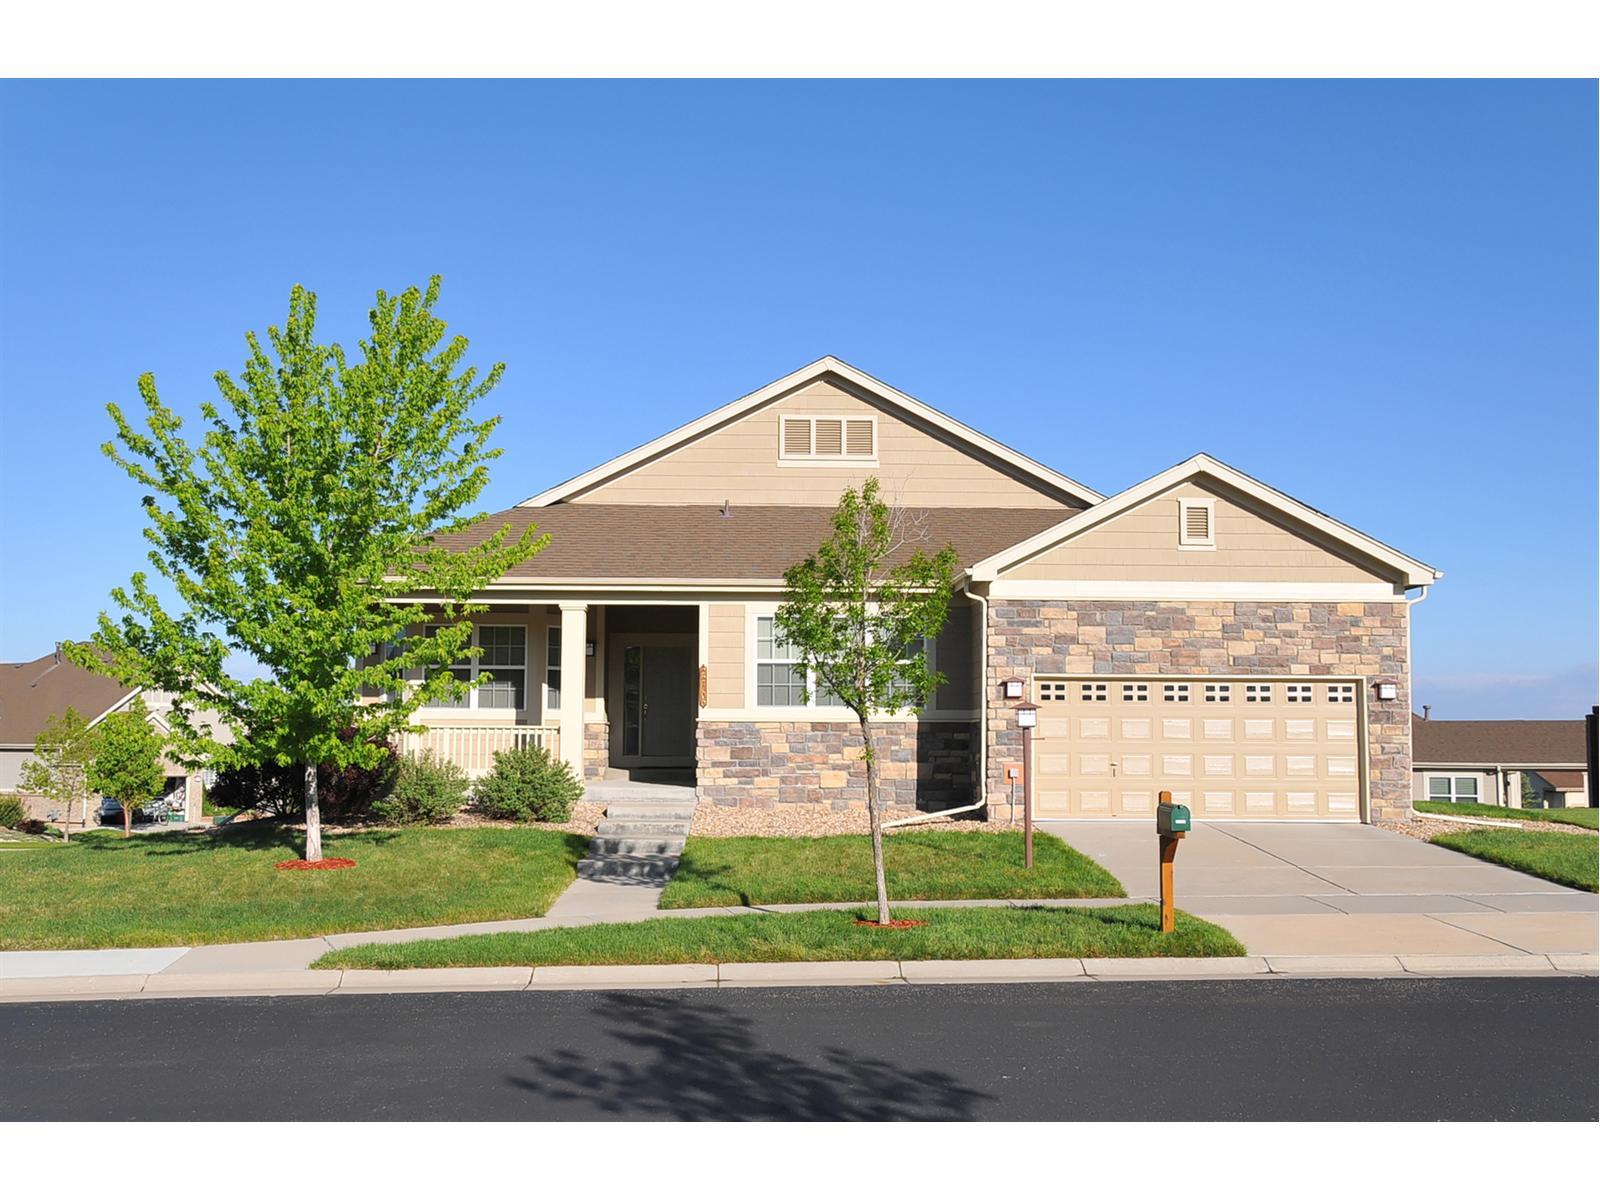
[860, 611]
[59, 768]
[127, 761]
[298, 532]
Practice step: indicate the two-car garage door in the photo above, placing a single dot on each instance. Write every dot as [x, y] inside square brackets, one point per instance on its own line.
[1254, 748]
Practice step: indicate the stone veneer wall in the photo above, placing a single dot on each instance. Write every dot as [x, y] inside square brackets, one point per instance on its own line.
[596, 749]
[1112, 637]
[922, 765]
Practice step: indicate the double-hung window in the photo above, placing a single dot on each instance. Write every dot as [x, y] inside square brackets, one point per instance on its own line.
[1454, 789]
[503, 654]
[781, 673]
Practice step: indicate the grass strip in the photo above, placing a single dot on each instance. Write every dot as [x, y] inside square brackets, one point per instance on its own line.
[1124, 931]
[1584, 818]
[1558, 857]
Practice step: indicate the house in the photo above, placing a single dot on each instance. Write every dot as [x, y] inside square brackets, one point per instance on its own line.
[1485, 762]
[33, 692]
[1199, 632]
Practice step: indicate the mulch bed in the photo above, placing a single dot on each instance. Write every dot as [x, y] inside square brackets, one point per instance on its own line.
[906, 924]
[322, 864]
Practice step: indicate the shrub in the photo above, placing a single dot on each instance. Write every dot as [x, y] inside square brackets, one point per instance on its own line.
[12, 813]
[528, 785]
[427, 791]
[31, 825]
[342, 795]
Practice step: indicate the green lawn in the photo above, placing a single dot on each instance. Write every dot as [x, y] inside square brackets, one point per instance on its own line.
[1588, 818]
[1560, 857]
[919, 865]
[1126, 931]
[167, 889]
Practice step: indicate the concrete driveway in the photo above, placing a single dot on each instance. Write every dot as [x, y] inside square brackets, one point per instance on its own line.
[1344, 889]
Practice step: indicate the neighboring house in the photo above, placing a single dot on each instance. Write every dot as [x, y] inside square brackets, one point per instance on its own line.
[1198, 632]
[33, 692]
[1484, 762]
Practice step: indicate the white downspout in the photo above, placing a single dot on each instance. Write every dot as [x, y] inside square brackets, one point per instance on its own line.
[982, 666]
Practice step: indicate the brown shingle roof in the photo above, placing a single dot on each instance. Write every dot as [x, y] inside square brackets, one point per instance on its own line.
[1506, 743]
[32, 692]
[1563, 781]
[648, 541]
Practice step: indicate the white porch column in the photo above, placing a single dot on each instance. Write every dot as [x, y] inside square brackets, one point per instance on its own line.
[574, 631]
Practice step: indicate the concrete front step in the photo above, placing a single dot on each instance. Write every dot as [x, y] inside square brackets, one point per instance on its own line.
[632, 813]
[610, 828]
[637, 845]
[642, 868]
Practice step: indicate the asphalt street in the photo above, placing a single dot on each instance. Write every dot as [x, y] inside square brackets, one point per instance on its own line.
[1398, 1049]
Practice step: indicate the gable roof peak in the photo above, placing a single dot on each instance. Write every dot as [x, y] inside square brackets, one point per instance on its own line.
[828, 364]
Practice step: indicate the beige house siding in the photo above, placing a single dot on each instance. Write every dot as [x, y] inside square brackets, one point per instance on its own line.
[739, 463]
[1251, 546]
[725, 656]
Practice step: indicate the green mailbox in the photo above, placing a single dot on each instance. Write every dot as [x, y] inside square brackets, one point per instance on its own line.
[1172, 818]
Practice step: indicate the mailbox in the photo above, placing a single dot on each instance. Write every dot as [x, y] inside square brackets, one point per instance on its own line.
[1172, 818]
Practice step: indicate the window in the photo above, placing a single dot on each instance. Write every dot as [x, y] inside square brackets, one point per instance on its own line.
[1135, 693]
[1453, 789]
[503, 653]
[1053, 689]
[828, 439]
[1299, 693]
[1092, 692]
[1258, 693]
[1175, 693]
[1219, 693]
[552, 669]
[781, 675]
[1341, 693]
[1196, 524]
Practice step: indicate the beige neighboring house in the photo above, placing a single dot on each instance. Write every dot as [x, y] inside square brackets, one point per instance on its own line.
[33, 692]
[1484, 762]
[1199, 632]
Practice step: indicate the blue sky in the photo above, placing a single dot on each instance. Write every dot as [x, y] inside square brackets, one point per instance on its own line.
[1376, 296]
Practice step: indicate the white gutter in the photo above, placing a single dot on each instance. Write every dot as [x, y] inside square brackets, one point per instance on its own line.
[983, 726]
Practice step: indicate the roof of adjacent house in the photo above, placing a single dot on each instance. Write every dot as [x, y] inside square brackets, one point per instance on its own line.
[1496, 743]
[1563, 781]
[32, 692]
[659, 543]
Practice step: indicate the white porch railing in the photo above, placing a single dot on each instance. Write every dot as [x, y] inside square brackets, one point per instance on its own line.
[473, 747]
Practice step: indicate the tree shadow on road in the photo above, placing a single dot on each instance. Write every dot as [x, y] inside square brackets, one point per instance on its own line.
[697, 1061]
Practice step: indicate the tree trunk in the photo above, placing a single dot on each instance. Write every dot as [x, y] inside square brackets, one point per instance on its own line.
[66, 826]
[875, 818]
[313, 817]
[127, 821]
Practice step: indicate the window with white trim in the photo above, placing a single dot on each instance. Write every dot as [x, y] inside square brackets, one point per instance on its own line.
[1258, 693]
[1135, 693]
[1092, 692]
[1197, 524]
[1341, 693]
[1053, 689]
[826, 438]
[1219, 693]
[1453, 789]
[552, 668]
[503, 654]
[1175, 693]
[1298, 693]
[782, 678]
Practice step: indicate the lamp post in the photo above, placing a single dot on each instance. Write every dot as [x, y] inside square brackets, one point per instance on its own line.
[1027, 717]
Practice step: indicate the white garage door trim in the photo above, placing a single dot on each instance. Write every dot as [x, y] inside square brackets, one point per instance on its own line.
[1092, 727]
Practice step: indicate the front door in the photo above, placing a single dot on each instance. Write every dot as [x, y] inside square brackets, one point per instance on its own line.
[657, 703]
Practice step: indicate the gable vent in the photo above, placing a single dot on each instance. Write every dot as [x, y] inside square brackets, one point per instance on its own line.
[1195, 524]
[796, 437]
[830, 437]
[858, 440]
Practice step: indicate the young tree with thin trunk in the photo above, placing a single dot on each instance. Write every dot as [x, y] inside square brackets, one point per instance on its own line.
[59, 768]
[127, 761]
[860, 612]
[299, 532]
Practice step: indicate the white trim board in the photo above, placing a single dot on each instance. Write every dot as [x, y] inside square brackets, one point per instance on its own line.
[1413, 572]
[827, 365]
[1178, 591]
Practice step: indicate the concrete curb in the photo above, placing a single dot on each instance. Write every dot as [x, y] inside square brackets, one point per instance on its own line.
[828, 974]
